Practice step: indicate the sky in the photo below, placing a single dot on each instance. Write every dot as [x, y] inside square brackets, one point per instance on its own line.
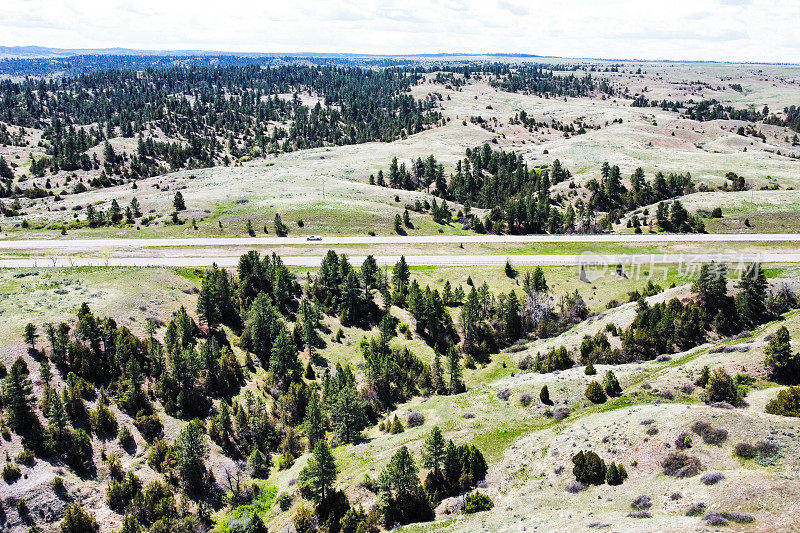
[708, 30]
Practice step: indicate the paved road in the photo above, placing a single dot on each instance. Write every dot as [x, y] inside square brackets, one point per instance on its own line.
[647, 238]
[417, 260]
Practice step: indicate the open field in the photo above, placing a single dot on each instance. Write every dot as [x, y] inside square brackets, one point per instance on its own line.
[144, 272]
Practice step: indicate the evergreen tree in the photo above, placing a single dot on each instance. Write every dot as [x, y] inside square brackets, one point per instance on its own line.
[783, 365]
[347, 414]
[178, 202]
[284, 363]
[191, 451]
[454, 366]
[17, 397]
[314, 424]
[433, 452]
[319, 475]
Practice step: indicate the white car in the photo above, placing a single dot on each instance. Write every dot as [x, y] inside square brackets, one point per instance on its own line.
[313, 238]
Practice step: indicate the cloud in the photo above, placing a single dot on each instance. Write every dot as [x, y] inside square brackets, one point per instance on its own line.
[517, 9]
[746, 30]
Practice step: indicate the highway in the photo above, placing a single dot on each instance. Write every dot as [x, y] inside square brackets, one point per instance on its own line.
[67, 243]
[588, 258]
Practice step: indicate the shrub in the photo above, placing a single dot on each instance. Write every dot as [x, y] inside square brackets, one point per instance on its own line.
[715, 518]
[58, 485]
[103, 421]
[11, 473]
[681, 465]
[575, 488]
[696, 509]
[525, 399]
[121, 493]
[560, 413]
[740, 518]
[589, 468]
[721, 388]
[683, 441]
[745, 450]
[125, 437]
[613, 476]
[712, 478]
[284, 501]
[642, 502]
[544, 395]
[786, 403]
[639, 514]
[26, 457]
[477, 502]
[149, 426]
[709, 434]
[415, 419]
[595, 393]
[504, 394]
[76, 520]
[611, 385]
[590, 370]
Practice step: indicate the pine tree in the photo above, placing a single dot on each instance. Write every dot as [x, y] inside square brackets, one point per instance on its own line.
[454, 366]
[30, 335]
[544, 395]
[17, 397]
[178, 202]
[783, 365]
[283, 362]
[191, 450]
[347, 414]
[319, 475]
[400, 475]
[611, 385]
[314, 424]
[433, 452]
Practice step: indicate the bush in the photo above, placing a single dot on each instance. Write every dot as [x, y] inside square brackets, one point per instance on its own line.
[121, 493]
[149, 426]
[504, 394]
[683, 441]
[560, 413]
[786, 403]
[544, 395]
[26, 457]
[721, 388]
[712, 478]
[696, 509]
[76, 520]
[709, 434]
[589, 468]
[477, 502]
[103, 421]
[590, 370]
[525, 399]
[642, 502]
[58, 485]
[11, 473]
[745, 450]
[575, 488]
[415, 419]
[611, 384]
[613, 476]
[283, 501]
[595, 393]
[715, 518]
[639, 514]
[681, 465]
[125, 437]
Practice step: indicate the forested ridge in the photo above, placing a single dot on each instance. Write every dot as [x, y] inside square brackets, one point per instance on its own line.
[200, 116]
